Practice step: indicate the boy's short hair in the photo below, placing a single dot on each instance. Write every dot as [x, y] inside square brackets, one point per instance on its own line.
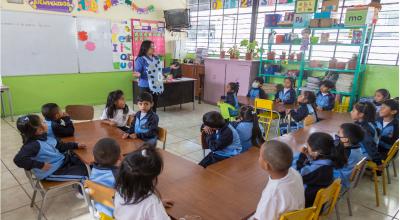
[353, 132]
[106, 152]
[392, 104]
[278, 154]
[50, 110]
[327, 83]
[145, 97]
[213, 119]
[259, 79]
[310, 96]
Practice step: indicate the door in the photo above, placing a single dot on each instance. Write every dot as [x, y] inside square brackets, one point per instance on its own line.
[239, 72]
[214, 80]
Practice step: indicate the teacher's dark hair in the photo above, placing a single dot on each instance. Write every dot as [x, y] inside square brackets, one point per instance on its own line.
[146, 45]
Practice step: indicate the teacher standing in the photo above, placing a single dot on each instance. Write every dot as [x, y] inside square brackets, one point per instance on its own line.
[149, 70]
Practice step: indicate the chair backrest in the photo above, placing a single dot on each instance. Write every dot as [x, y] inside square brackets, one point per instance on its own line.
[392, 152]
[264, 105]
[304, 214]
[80, 112]
[343, 105]
[100, 193]
[357, 172]
[32, 178]
[203, 140]
[309, 120]
[224, 110]
[162, 134]
[326, 199]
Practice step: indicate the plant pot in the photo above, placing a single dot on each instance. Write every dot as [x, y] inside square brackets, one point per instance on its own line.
[222, 54]
[352, 64]
[232, 56]
[291, 56]
[299, 56]
[332, 63]
[271, 56]
[341, 65]
[249, 56]
[280, 38]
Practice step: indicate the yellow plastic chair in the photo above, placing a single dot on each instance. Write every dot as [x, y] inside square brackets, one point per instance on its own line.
[264, 108]
[343, 106]
[309, 120]
[224, 110]
[326, 199]
[304, 214]
[384, 167]
[101, 194]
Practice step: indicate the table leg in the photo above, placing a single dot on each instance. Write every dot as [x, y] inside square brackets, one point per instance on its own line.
[3, 113]
[10, 105]
[180, 106]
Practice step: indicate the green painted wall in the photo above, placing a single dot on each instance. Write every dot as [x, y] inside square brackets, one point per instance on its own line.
[30, 92]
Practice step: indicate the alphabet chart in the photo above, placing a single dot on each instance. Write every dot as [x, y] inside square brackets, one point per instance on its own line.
[148, 30]
[121, 39]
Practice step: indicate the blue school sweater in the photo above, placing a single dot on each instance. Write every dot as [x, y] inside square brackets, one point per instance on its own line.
[225, 142]
[388, 134]
[354, 155]
[60, 128]
[325, 101]
[287, 97]
[146, 128]
[256, 93]
[369, 145]
[245, 131]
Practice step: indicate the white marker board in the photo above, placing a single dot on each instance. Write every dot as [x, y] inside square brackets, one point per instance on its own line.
[34, 43]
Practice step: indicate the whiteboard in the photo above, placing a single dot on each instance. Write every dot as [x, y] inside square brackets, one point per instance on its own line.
[97, 58]
[34, 43]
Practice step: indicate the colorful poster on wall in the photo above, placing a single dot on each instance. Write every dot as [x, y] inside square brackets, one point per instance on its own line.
[230, 4]
[216, 4]
[148, 30]
[65, 6]
[88, 5]
[305, 6]
[121, 38]
[245, 3]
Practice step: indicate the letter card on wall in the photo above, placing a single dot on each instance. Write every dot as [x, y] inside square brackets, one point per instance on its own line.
[148, 30]
[121, 39]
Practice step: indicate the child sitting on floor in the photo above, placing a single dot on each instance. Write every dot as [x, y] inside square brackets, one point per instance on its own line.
[316, 163]
[256, 90]
[221, 137]
[59, 123]
[387, 126]
[117, 112]
[106, 154]
[350, 136]
[145, 122]
[231, 97]
[288, 94]
[284, 191]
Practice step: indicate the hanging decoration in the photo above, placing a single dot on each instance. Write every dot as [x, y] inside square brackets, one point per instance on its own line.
[88, 5]
[65, 6]
[110, 3]
[82, 35]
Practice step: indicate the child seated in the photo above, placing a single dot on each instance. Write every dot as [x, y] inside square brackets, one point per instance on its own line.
[288, 94]
[316, 163]
[106, 154]
[350, 136]
[231, 97]
[248, 128]
[387, 126]
[381, 95]
[46, 156]
[221, 137]
[145, 122]
[363, 114]
[306, 107]
[136, 195]
[325, 99]
[59, 123]
[117, 112]
[284, 191]
[256, 90]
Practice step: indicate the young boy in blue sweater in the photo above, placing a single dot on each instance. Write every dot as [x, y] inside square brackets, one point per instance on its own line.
[145, 123]
[59, 123]
[387, 126]
[256, 90]
[221, 137]
[325, 99]
[350, 136]
[106, 154]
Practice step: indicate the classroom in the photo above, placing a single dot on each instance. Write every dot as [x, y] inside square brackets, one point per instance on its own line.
[199, 109]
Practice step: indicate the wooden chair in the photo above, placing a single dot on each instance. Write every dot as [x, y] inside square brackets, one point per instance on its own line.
[204, 145]
[98, 193]
[80, 112]
[355, 177]
[384, 167]
[162, 136]
[265, 114]
[304, 214]
[44, 186]
[326, 199]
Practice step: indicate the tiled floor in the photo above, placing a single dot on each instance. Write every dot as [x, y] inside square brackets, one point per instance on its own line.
[182, 139]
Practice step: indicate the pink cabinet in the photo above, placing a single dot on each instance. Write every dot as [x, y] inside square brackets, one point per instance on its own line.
[219, 72]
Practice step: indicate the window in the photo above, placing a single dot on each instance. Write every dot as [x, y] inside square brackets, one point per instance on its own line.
[224, 23]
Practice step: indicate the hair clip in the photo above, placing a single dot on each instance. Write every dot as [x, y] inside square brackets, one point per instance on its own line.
[144, 153]
[25, 119]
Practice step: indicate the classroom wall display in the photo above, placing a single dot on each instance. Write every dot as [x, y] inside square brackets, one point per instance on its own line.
[121, 39]
[52, 5]
[245, 3]
[148, 30]
[88, 5]
[110, 3]
[301, 20]
[305, 6]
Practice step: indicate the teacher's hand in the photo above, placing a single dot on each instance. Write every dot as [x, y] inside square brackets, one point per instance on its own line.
[174, 67]
[136, 74]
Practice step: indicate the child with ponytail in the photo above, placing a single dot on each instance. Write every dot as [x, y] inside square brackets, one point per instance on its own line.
[231, 97]
[316, 163]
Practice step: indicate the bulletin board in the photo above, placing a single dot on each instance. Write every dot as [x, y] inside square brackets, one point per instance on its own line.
[121, 38]
[148, 30]
[306, 6]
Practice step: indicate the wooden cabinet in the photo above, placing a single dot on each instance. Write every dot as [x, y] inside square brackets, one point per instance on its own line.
[195, 71]
[219, 72]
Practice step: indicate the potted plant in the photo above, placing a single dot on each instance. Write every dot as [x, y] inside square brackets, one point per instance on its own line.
[234, 52]
[352, 64]
[251, 49]
[221, 51]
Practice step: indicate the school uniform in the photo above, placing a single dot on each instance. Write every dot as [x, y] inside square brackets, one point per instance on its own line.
[150, 208]
[245, 130]
[145, 126]
[378, 106]
[298, 116]
[316, 174]
[105, 176]
[280, 196]
[43, 149]
[231, 99]
[369, 145]
[354, 155]
[119, 118]
[62, 127]
[287, 96]
[224, 143]
[388, 134]
[256, 93]
[326, 101]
